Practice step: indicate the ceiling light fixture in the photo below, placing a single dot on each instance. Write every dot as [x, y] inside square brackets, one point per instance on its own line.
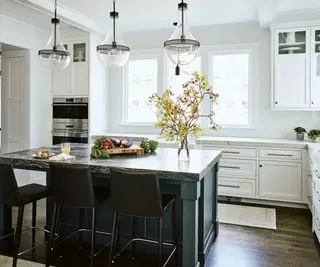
[182, 48]
[54, 55]
[113, 51]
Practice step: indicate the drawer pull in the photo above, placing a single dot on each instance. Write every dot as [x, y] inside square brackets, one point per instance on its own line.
[231, 152]
[230, 186]
[280, 155]
[230, 167]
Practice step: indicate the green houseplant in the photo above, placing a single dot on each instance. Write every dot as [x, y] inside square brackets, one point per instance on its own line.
[300, 131]
[314, 135]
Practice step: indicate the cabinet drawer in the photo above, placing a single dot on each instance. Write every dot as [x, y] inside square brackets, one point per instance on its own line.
[238, 168]
[280, 154]
[236, 187]
[234, 152]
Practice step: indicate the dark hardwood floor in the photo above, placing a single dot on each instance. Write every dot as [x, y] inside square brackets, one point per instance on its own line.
[292, 245]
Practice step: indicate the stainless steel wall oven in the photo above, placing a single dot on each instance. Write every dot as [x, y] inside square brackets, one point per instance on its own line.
[70, 120]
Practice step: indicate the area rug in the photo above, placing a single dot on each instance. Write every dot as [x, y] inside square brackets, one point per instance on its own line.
[7, 262]
[247, 216]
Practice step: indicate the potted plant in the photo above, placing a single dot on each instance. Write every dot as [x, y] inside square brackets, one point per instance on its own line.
[314, 135]
[178, 117]
[300, 131]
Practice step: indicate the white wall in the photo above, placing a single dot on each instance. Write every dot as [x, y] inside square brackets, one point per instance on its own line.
[266, 123]
[18, 33]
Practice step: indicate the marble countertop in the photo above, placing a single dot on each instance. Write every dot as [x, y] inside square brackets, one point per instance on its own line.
[164, 161]
[211, 140]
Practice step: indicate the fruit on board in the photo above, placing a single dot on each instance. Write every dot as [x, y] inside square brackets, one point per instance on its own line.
[106, 144]
[116, 142]
[153, 145]
[126, 142]
[145, 146]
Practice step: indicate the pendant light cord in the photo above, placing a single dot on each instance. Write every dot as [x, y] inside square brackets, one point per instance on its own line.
[55, 27]
[182, 36]
[114, 24]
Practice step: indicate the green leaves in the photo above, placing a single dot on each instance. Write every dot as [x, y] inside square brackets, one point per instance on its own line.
[179, 116]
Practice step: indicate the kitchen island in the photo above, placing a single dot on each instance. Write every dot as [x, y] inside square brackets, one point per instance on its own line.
[194, 183]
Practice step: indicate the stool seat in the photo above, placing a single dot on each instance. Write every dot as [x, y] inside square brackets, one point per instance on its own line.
[167, 201]
[101, 194]
[32, 192]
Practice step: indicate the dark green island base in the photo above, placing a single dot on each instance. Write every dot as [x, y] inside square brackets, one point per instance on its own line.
[195, 185]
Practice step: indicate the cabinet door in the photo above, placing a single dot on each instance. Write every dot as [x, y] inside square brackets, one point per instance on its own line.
[61, 83]
[291, 81]
[280, 181]
[315, 68]
[80, 69]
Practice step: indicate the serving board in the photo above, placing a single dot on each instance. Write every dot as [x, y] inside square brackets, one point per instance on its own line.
[133, 150]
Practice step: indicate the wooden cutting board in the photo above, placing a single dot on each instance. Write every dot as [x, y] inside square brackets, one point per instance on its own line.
[133, 150]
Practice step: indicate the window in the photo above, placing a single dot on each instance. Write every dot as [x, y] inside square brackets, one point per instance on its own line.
[141, 82]
[175, 82]
[231, 78]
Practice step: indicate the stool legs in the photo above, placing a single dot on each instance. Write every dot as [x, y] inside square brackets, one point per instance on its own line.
[93, 237]
[114, 233]
[53, 230]
[134, 235]
[81, 219]
[34, 222]
[160, 234]
[175, 232]
[17, 237]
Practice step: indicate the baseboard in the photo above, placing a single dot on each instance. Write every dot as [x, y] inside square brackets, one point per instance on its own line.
[270, 203]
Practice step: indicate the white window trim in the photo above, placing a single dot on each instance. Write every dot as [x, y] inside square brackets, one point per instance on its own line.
[247, 48]
[140, 55]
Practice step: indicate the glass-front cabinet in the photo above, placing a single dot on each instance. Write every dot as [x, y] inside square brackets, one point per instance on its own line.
[315, 68]
[290, 68]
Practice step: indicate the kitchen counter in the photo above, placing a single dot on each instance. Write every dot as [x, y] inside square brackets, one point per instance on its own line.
[194, 184]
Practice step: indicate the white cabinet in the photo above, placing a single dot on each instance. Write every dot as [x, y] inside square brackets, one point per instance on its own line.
[291, 68]
[315, 67]
[280, 180]
[74, 80]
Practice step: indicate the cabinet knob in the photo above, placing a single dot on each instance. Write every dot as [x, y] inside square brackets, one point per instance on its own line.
[276, 102]
[312, 102]
[260, 165]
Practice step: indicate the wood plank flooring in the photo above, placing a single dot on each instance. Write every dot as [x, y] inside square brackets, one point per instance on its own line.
[291, 245]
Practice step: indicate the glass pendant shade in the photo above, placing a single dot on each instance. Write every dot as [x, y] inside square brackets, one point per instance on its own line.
[182, 48]
[54, 55]
[113, 53]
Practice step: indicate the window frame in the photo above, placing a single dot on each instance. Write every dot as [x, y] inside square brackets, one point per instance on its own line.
[236, 49]
[141, 55]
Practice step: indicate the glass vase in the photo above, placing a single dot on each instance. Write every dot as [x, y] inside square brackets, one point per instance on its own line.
[183, 150]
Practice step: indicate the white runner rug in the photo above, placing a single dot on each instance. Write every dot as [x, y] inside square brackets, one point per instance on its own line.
[7, 262]
[247, 216]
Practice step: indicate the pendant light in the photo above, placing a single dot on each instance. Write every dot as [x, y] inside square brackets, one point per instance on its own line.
[181, 48]
[113, 51]
[54, 55]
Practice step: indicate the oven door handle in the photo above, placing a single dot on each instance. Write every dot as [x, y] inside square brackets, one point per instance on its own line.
[69, 104]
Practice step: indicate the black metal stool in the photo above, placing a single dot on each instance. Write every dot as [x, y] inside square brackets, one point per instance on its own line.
[72, 186]
[138, 195]
[12, 195]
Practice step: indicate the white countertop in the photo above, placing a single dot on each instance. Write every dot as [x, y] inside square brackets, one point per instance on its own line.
[211, 140]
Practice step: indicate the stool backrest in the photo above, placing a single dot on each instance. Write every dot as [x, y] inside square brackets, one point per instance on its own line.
[136, 193]
[71, 185]
[9, 192]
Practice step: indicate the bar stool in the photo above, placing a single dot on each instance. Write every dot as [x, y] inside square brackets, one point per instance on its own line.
[138, 194]
[72, 186]
[14, 196]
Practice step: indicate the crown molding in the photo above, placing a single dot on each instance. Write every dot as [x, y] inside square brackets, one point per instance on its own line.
[65, 14]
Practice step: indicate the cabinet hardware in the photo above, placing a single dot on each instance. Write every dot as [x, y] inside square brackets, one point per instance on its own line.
[230, 167]
[312, 102]
[276, 102]
[69, 126]
[280, 155]
[231, 152]
[231, 186]
[260, 165]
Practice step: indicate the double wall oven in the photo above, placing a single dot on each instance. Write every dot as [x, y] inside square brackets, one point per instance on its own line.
[70, 120]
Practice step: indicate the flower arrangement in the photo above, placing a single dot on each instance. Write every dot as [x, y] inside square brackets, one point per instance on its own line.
[179, 117]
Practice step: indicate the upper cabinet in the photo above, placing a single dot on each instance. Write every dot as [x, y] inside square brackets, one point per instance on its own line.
[74, 80]
[296, 68]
